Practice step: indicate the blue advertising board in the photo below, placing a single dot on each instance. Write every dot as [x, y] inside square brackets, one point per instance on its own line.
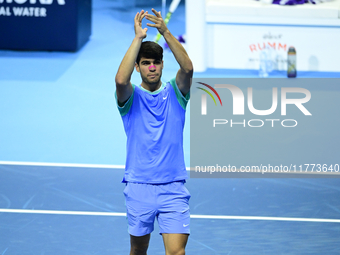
[53, 25]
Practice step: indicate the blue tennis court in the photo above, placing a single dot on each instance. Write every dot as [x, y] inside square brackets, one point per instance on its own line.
[80, 210]
[62, 156]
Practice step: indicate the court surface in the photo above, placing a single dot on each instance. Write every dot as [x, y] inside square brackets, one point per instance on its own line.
[80, 210]
[58, 109]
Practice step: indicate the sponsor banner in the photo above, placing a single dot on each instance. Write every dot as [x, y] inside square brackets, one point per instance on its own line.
[18, 7]
[240, 46]
[44, 24]
[264, 128]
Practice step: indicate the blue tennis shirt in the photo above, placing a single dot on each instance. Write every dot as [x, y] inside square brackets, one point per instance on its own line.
[153, 123]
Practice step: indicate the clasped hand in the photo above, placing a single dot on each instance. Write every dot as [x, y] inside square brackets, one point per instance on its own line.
[156, 19]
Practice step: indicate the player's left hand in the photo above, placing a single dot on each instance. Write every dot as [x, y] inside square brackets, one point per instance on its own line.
[158, 20]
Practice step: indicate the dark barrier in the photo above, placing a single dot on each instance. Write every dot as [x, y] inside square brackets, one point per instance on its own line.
[53, 25]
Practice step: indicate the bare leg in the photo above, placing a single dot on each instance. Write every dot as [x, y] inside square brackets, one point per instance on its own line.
[139, 244]
[175, 243]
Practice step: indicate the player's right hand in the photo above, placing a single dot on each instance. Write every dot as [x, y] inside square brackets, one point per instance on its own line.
[139, 31]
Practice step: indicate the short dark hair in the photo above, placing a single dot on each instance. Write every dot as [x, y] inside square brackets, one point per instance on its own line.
[151, 50]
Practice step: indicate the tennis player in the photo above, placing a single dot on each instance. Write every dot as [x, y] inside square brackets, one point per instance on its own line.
[153, 115]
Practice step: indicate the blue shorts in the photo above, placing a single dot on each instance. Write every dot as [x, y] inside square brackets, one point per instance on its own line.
[169, 203]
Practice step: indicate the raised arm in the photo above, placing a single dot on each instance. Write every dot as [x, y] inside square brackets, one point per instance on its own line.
[185, 73]
[123, 76]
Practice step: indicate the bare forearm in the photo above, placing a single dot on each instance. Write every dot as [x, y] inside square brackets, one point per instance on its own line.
[126, 67]
[185, 73]
[124, 87]
[179, 52]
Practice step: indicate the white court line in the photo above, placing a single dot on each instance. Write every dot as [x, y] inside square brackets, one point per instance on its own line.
[61, 212]
[20, 163]
[224, 217]
[193, 216]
